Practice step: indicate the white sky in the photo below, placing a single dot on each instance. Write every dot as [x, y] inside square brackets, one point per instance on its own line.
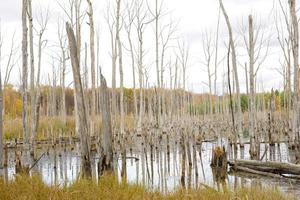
[194, 16]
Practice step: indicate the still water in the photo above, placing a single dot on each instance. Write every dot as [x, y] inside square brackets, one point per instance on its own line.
[161, 171]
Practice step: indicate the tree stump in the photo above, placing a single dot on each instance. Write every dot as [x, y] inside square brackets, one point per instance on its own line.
[19, 168]
[5, 155]
[219, 163]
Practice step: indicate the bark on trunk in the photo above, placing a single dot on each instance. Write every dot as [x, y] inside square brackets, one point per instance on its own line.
[92, 51]
[253, 150]
[32, 92]
[107, 156]
[295, 50]
[82, 115]
[234, 66]
[24, 72]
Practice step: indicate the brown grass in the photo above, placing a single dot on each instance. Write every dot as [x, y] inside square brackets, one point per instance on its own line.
[53, 127]
[110, 189]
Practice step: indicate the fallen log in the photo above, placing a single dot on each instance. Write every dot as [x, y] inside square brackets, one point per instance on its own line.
[269, 166]
[252, 171]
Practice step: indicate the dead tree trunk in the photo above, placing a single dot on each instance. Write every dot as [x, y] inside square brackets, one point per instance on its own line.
[32, 92]
[92, 51]
[253, 150]
[82, 115]
[234, 66]
[106, 161]
[37, 96]
[295, 50]
[131, 49]
[63, 75]
[24, 71]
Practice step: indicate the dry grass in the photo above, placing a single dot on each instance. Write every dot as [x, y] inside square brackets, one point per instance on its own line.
[109, 189]
[53, 127]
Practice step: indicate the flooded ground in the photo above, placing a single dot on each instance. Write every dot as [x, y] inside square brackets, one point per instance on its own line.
[62, 166]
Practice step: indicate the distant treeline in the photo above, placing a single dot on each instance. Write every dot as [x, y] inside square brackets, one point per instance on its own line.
[51, 101]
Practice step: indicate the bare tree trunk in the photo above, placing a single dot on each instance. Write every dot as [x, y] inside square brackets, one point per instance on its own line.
[128, 29]
[32, 92]
[216, 58]
[114, 57]
[234, 65]
[53, 92]
[63, 75]
[231, 105]
[253, 150]
[107, 157]
[77, 5]
[92, 51]
[140, 32]
[159, 84]
[184, 56]
[122, 114]
[37, 93]
[156, 43]
[122, 120]
[24, 71]
[207, 43]
[82, 115]
[295, 50]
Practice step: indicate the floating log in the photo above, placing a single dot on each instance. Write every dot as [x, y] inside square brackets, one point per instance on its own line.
[269, 166]
[252, 171]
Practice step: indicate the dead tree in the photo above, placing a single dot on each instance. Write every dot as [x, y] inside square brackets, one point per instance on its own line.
[231, 104]
[295, 51]
[236, 78]
[141, 22]
[82, 115]
[24, 71]
[75, 16]
[184, 52]
[92, 51]
[216, 60]
[128, 27]
[11, 63]
[156, 14]
[122, 112]
[208, 53]
[253, 150]
[32, 92]
[63, 60]
[106, 161]
[286, 48]
[114, 43]
[37, 93]
[166, 35]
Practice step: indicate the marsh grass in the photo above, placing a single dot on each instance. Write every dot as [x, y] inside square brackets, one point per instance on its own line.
[53, 127]
[109, 188]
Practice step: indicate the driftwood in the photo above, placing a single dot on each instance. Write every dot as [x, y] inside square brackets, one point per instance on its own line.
[269, 166]
[252, 171]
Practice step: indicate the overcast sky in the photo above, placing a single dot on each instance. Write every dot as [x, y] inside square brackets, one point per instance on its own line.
[194, 18]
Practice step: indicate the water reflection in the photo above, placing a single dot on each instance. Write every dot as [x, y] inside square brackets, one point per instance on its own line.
[159, 166]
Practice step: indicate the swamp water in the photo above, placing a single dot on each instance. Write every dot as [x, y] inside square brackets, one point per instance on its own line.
[62, 166]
